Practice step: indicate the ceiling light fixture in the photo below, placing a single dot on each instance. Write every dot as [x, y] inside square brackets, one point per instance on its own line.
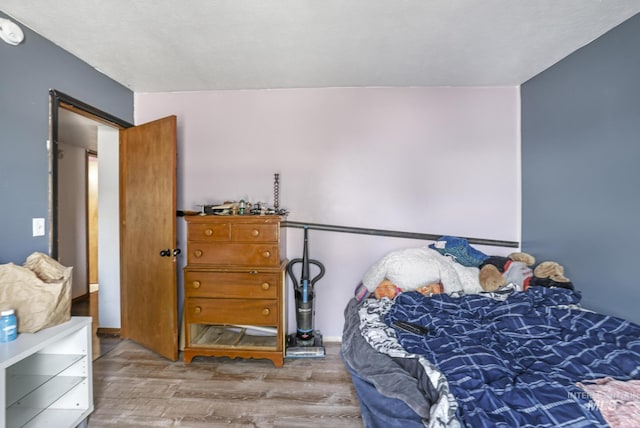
[10, 32]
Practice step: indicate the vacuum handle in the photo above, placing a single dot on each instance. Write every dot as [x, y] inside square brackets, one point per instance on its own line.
[311, 262]
[320, 274]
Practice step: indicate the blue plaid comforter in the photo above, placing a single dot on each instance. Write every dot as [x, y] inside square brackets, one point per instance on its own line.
[515, 363]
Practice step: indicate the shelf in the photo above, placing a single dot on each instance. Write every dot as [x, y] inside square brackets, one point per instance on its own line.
[34, 371]
[57, 418]
[46, 377]
[226, 337]
[37, 401]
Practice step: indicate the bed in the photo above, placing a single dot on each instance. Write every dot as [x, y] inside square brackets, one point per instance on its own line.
[509, 358]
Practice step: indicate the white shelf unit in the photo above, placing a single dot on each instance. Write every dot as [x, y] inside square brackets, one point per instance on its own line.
[46, 377]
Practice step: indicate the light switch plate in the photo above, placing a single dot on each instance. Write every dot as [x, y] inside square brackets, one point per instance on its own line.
[38, 227]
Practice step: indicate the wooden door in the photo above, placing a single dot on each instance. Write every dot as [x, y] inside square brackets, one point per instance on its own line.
[149, 297]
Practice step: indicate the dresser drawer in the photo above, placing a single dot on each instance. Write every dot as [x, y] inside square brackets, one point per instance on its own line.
[254, 232]
[209, 232]
[232, 311]
[249, 285]
[259, 255]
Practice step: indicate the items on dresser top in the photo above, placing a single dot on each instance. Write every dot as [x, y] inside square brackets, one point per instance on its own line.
[240, 207]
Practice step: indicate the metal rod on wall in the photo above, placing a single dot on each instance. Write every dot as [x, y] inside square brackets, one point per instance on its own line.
[393, 233]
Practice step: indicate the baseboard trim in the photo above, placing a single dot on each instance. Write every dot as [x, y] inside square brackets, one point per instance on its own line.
[115, 332]
[79, 298]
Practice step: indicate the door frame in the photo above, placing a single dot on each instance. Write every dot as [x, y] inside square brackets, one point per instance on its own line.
[92, 210]
[61, 100]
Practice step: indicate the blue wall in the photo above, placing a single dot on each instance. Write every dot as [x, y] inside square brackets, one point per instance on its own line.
[29, 70]
[581, 169]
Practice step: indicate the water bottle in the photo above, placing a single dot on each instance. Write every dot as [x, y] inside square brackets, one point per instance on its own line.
[8, 325]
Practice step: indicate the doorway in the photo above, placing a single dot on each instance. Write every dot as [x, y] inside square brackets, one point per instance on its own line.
[84, 141]
[137, 171]
[77, 181]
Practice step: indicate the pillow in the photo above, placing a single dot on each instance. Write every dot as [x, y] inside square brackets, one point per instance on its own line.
[409, 269]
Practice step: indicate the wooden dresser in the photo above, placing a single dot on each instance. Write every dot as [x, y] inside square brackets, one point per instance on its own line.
[234, 279]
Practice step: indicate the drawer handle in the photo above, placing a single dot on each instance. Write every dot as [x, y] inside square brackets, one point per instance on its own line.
[197, 310]
[265, 285]
[255, 233]
[266, 254]
[198, 253]
[208, 232]
[196, 284]
[266, 311]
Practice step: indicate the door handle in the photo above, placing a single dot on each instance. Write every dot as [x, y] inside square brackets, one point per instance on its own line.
[169, 252]
[165, 253]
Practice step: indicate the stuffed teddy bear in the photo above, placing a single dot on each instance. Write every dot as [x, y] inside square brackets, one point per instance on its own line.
[431, 289]
[389, 290]
[386, 289]
[497, 271]
[550, 274]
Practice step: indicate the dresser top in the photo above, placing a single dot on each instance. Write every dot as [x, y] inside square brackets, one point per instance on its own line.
[234, 218]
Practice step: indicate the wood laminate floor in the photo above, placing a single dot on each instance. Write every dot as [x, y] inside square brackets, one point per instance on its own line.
[135, 387]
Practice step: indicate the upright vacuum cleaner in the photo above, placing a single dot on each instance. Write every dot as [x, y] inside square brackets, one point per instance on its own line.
[306, 342]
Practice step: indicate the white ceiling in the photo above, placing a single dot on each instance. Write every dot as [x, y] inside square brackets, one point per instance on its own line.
[188, 45]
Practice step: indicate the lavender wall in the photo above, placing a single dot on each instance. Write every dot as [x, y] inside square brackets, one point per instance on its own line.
[430, 160]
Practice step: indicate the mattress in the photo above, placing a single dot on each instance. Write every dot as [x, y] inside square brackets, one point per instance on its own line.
[488, 359]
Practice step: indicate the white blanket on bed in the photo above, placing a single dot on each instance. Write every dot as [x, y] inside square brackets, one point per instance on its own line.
[412, 268]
